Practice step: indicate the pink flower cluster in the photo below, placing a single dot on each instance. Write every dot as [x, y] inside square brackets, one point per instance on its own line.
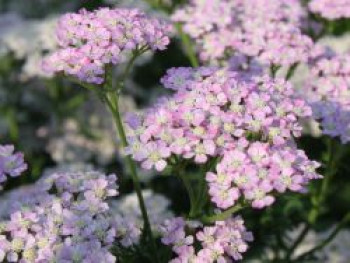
[70, 226]
[11, 164]
[91, 40]
[223, 242]
[250, 124]
[256, 171]
[127, 217]
[268, 30]
[212, 112]
[328, 91]
[331, 9]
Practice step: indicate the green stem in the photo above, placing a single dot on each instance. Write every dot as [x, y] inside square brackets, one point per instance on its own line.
[129, 66]
[291, 71]
[222, 216]
[113, 104]
[111, 97]
[202, 186]
[325, 242]
[179, 169]
[201, 197]
[274, 69]
[159, 5]
[331, 170]
[188, 46]
[191, 194]
[13, 124]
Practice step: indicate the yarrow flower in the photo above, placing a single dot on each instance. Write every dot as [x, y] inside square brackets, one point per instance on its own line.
[67, 217]
[214, 111]
[331, 9]
[222, 242]
[327, 90]
[248, 124]
[256, 172]
[91, 40]
[268, 30]
[11, 164]
[72, 225]
[127, 218]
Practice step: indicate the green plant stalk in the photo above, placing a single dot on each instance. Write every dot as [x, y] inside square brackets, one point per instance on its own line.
[179, 170]
[330, 172]
[13, 124]
[112, 99]
[222, 216]
[187, 45]
[191, 193]
[110, 95]
[291, 71]
[274, 69]
[201, 197]
[202, 186]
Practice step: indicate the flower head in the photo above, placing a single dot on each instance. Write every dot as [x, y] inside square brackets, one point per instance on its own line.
[327, 90]
[211, 112]
[268, 30]
[11, 164]
[225, 240]
[72, 225]
[331, 9]
[91, 40]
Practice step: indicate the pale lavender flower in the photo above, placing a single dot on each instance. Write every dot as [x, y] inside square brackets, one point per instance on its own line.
[91, 40]
[211, 112]
[268, 31]
[331, 9]
[327, 90]
[62, 226]
[11, 164]
[222, 242]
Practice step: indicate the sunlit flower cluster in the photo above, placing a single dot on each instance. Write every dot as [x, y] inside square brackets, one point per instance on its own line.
[327, 89]
[222, 242]
[11, 163]
[70, 226]
[212, 112]
[331, 9]
[91, 40]
[256, 171]
[127, 218]
[250, 124]
[264, 29]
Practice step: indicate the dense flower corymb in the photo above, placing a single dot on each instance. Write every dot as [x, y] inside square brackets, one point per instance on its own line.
[214, 111]
[268, 30]
[127, 218]
[223, 242]
[11, 164]
[328, 92]
[331, 9]
[71, 226]
[256, 171]
[91, 40]
[247, 124]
